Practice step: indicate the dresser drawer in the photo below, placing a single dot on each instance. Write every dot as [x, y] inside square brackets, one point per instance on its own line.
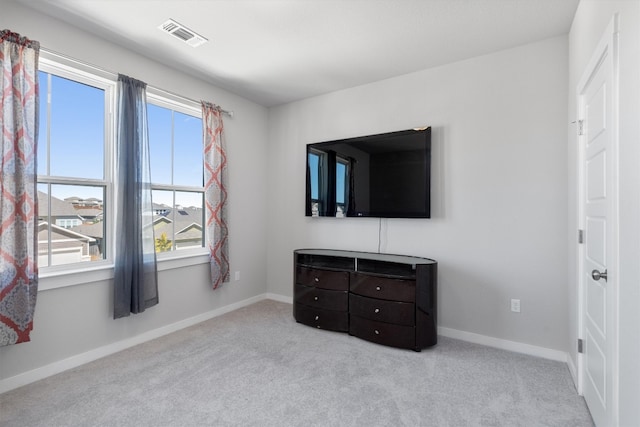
[321, 298]
[400, 313]
[325, 279]
[383, 287]
[321, 319]
[383, 333]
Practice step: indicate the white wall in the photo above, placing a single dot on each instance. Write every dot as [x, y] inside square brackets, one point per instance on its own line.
[499, 190]
[591, 19]
[73, 320]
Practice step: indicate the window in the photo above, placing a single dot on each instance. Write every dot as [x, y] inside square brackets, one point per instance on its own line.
[319, 187]
[75, 173]
[314, 177]
[177, 175]
[73, 136]
[342, 182]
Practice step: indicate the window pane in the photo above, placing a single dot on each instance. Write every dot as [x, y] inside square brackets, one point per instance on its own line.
[188, 220]
[76, 215]
[159, 121]
[188, 151]
[176, 160]
[314, 162]
[341, 174]
[76, 129]
[178, 226]
[163, 219]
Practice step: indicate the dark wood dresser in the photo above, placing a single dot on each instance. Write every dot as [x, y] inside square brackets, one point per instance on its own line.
[386, 299]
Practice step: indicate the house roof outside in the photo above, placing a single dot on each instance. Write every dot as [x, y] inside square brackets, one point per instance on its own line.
[94, 230]
[58, 233]
[78, 201]
[89, 213]
[187, 222]
[59, 208]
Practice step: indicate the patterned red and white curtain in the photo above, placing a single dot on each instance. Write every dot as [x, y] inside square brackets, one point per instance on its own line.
[18, 196]
[215, 184]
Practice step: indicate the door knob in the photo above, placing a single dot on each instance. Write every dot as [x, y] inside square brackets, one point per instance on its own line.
[596, 275]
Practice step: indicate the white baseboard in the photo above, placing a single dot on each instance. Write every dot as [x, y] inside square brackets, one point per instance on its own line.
[574, 371]
[514, 346]
[100, 352]
[280, 298]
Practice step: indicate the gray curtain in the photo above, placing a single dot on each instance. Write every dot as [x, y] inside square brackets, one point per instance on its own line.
[136, 278]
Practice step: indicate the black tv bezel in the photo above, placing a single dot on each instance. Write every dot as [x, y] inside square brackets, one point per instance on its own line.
[424, 213]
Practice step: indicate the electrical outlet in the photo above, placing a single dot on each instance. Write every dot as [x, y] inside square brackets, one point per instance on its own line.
[515, 305]
[237, 276]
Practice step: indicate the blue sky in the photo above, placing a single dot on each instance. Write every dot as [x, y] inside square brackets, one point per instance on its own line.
[75, 128]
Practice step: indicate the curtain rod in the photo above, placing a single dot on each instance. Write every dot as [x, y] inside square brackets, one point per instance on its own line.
[114, 75]
[175, 95]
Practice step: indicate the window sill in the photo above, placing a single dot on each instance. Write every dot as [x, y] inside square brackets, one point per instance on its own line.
[182, 260]
[81, 276]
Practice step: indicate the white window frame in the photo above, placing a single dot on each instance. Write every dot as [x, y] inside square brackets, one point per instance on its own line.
[60, 66]
[170, 101]
[54, 277]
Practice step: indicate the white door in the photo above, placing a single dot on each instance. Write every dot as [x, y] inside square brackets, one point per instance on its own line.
[597, 106]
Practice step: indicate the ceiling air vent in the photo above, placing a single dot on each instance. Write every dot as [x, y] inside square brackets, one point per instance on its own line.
[188, 36]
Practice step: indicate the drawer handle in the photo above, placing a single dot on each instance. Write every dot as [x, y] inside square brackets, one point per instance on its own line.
[377, 332]
[317, 317]
[377, 310]
[378, 288]
[315, 298]
[316, 279]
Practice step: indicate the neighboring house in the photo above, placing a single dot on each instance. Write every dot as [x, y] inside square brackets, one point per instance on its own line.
[63, 214]
[79, 202]
[67, 246]
[77, 231]
[90, 215]
[184, 223]
[94, 230]
[90, 210]
[67, 234]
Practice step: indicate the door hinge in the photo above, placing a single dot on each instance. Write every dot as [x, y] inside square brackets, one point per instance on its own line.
[580, 127]
[579, 345]
[580, 236]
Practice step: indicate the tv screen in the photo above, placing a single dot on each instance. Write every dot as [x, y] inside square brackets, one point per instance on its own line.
[385, 176]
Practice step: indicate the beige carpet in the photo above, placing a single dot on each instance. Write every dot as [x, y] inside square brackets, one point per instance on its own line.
[257, 367]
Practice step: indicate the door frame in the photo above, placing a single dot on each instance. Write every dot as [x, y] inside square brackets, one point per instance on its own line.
[608, 43]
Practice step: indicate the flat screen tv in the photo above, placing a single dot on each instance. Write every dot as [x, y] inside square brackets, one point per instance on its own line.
[384, 176]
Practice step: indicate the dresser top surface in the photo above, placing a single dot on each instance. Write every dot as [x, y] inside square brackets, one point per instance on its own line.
[401, 259]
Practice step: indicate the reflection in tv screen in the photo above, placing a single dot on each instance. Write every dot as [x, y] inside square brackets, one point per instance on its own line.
[386, 175]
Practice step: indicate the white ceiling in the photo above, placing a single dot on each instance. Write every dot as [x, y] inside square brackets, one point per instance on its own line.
[277, 51]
